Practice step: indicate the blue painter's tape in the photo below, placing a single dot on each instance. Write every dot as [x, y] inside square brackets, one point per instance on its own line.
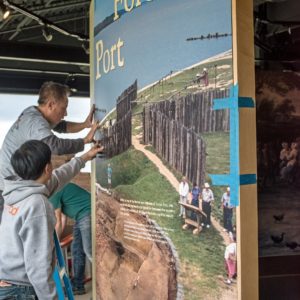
[223, 104]
[246, 102]
[233, 179]
[221, 179]
[247, 179]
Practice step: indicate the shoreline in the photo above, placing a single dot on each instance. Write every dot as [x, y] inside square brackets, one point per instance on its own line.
[222, 55]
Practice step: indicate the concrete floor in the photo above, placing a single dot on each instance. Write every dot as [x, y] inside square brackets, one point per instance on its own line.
[88, 295]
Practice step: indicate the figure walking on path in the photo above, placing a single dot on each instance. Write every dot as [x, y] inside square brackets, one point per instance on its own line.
[207, 198]
[183, 194]
[227, 210]
[196, 193]
[109, 175]
[203, 76]
[230, 259]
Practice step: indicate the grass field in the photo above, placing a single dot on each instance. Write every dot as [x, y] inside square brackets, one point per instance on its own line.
[217, 162]
[135, 177]
[219, 74]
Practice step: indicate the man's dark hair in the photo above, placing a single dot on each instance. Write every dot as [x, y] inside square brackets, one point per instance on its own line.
[30, 160]
[53, 90]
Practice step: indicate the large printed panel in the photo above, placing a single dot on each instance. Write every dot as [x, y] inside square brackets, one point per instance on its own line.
[159, 66]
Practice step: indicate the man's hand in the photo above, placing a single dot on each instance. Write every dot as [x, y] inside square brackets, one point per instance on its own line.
[90, 136]
[97, 148]
[73, 127]
[88, 123]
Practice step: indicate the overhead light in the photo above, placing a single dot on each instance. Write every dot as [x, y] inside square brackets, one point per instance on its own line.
[46, 33]
[4, 12]
[85, 47]
[71, 82]
[73, 90]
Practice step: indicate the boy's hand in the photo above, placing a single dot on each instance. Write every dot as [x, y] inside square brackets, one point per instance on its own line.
[97, 148]
[90, 136]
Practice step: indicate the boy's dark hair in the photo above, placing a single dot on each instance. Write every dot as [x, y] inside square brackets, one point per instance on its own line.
[53, 90]
[30, 160]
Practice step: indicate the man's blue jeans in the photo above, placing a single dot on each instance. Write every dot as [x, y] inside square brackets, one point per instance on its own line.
[227, 215]
[17, 292]
[81, 248]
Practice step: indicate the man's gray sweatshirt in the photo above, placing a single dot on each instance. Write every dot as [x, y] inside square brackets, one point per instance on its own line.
[31, 125]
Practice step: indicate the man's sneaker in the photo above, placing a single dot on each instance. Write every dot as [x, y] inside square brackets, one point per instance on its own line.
[78, 291]
[227, 281]
[202, 224]
[207, 226]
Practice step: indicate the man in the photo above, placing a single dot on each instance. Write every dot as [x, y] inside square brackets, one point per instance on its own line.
[27, 258]
[227, 210]
[183, 194]
[37, 122]
[196, 192]
[203, 76]
[75, 203]
[207, 198]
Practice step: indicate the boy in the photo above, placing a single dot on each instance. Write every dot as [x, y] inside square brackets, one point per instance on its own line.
[27, 257]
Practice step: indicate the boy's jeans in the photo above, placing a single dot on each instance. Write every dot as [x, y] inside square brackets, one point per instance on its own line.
[81, 247]
[17, 292]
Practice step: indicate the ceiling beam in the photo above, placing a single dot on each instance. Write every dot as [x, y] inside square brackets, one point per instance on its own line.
[45, 22]
[58, 7]
[23, 83]
[44, 52]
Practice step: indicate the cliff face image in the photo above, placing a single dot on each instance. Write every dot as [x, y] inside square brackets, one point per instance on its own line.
[130, 268]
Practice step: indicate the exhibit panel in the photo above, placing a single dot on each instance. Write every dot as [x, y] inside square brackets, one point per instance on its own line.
[167, 203]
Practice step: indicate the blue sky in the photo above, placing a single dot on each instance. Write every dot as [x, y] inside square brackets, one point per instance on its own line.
[104, 8]
[155, 43]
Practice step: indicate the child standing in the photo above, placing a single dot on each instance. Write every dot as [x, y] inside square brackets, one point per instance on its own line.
[230, 258]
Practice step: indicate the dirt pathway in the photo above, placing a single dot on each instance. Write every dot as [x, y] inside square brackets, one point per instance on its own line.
[229, 293]
[172, 179]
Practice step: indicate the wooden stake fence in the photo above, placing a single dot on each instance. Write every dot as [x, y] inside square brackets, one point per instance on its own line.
[117, 136]
[173, 126]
